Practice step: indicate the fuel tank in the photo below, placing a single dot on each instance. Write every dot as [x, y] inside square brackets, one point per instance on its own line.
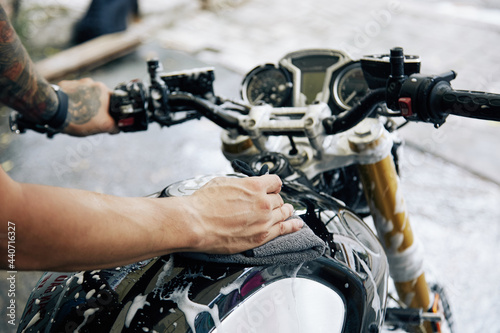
[342, 291]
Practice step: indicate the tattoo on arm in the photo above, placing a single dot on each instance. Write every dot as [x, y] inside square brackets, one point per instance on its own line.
[21, 87]
[84, 104]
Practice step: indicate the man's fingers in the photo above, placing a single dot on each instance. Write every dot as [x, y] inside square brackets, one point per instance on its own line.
[276, 201]
[285, 227]
[289, 226]
[272, 183]
[280, 214]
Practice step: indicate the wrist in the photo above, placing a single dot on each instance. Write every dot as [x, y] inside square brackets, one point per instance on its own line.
[58, 120]
[177, 225]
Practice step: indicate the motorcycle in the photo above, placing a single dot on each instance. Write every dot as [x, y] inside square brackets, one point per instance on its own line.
[324, 123]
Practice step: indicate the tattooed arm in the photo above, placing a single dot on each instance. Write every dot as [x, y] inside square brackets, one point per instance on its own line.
[26, 91]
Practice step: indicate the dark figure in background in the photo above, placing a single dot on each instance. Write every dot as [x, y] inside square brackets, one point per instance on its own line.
[105, 17]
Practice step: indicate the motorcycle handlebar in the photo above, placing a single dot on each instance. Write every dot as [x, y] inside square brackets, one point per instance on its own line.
[173, 99]
[421, 98]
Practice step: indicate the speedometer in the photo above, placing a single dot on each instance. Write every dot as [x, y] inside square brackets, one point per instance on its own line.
[267, 84]
[350, 86]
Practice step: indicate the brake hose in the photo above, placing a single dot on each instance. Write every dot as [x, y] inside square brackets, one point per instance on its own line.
[355, 115]
[208, 109]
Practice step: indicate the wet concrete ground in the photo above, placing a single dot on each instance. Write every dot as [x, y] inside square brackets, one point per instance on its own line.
[449, 176]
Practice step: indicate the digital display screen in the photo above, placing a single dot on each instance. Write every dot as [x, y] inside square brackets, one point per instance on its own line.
[312, 85]
[313, 71]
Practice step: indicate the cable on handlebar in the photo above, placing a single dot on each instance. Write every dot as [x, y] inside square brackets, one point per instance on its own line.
[208, 109]
[355, 115]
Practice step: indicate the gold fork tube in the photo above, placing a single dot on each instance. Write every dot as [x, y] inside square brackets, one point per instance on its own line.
[390, 216]
[391, 220]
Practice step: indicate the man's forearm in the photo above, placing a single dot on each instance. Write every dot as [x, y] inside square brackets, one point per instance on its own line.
[21, 87]
[67, 230]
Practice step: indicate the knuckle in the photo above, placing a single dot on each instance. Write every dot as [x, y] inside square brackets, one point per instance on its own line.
[254, 184]
[101, 86]
[265, 205]
[278, 180]
[283, 228]
[262, 237]
[283, 213]
[84, 81]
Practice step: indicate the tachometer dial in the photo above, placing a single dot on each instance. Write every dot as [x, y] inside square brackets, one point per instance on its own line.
[350, 86]
[267, 84]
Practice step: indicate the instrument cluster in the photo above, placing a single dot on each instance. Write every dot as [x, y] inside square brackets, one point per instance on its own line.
[305, 77]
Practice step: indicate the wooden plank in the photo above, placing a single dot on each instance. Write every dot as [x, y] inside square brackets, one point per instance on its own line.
[91, 54]
[103, 49]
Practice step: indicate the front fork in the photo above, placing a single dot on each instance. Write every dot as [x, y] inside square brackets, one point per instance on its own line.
[382, 189]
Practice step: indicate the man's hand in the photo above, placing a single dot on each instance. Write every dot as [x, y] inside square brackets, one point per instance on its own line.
[88, 108]
[234, 215]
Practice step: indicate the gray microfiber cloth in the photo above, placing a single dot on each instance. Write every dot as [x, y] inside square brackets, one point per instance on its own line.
[294, 248]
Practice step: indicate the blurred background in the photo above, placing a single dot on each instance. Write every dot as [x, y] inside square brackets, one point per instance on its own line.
[450, 176]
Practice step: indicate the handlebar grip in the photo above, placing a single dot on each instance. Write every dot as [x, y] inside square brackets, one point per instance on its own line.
[472, 104]
[431, 99]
